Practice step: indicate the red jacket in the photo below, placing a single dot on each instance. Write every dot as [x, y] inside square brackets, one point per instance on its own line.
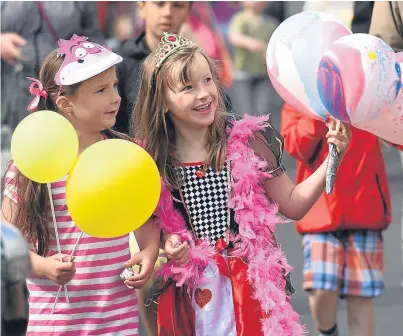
[360, 198]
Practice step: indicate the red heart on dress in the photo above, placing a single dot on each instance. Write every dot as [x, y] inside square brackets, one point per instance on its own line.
[202, 297]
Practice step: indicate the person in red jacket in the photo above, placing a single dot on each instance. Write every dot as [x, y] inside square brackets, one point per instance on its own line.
[387, 24]
[342, 233]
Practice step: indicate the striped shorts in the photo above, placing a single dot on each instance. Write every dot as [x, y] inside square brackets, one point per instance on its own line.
[350, 262]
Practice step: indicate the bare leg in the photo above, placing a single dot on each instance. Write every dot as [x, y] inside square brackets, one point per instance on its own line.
[324, 305]
[360, 314]
[151, 312]
[148, 314]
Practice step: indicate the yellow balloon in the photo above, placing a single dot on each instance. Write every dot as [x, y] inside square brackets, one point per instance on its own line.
[113, 188]
[44, 146]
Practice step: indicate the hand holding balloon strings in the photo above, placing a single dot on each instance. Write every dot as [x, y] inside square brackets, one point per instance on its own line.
[338, 140]
[65, 286]
[338, 74]
[332, 163]
[59, 250]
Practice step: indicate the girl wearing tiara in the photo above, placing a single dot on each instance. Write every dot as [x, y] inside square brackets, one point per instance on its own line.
[224, 188]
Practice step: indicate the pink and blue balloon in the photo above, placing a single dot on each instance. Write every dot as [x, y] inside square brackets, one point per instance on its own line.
[293, 56]
[358, 78]
[388, 125]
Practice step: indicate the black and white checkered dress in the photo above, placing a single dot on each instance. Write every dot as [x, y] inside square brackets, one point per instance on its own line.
[206, 199]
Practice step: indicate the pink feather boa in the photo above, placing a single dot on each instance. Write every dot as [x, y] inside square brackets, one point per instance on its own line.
[171, 221]
[257, 218]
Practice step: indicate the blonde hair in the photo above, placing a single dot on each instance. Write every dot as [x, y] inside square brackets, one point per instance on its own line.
[154, 127]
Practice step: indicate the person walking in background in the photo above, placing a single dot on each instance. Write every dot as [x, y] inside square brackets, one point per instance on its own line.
[387, 24]
[250, 32]
[342, 233]
[362, 17]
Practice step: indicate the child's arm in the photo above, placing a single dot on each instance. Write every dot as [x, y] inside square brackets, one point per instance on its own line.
[240, 40]
[303, 136]
[51, 267]
[295, 200]
[148, 239]
[148, 235]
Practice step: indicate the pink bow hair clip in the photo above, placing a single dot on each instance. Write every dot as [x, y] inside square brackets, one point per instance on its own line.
[36, 89]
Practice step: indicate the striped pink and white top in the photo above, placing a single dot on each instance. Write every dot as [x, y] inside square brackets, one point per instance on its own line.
[100, 303]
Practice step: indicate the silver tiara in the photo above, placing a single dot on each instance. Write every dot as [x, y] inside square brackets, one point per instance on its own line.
[169, 44]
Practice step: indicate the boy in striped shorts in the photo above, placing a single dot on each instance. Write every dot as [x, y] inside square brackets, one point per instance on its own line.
[342, 233]
[348, 264]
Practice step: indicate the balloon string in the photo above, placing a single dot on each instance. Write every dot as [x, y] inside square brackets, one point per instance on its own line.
[71, 256]
[56, 233]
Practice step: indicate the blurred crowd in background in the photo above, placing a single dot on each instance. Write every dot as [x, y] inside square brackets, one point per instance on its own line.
[30, 29]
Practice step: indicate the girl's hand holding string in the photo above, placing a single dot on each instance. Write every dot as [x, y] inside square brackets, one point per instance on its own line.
[339, 134]
[58, 271]
[176, 250]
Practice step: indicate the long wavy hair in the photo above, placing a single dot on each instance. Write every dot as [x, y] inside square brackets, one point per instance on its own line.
[33, 199]
[154, 127]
